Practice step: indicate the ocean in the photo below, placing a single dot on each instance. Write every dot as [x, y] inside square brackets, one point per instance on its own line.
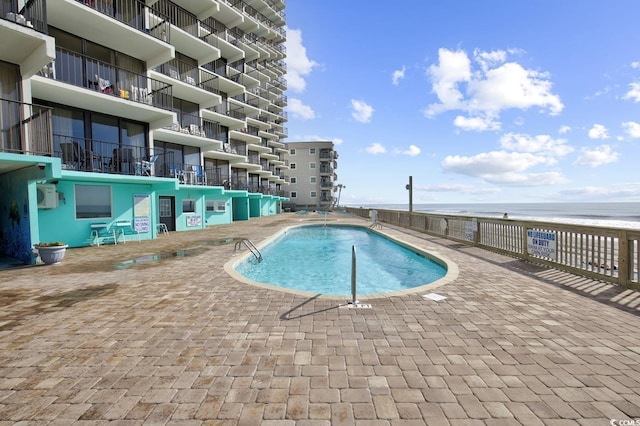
[616, 215]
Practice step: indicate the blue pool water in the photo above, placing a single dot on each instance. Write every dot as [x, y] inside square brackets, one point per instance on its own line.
[317, 259]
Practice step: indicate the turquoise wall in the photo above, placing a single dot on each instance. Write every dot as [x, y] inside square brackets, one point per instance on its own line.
[77, 232]
[218, 217]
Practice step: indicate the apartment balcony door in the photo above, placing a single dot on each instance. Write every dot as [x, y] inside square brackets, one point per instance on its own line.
[167, 212]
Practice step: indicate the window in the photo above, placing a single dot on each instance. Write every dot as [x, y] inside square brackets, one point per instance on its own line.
[294, 194]
[312, 151]
[313, 194]
[312, 165]
[312, 179]
[292, 151]
[216, 205]
[292, 166]
[188, 206]
[92, 201]
[293, 180]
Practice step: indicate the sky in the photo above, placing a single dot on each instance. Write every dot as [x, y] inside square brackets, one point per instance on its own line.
[488, 101]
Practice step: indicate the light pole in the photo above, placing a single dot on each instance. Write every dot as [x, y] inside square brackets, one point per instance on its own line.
[410, 189]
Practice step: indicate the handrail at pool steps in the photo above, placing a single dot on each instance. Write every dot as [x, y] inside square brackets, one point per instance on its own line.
[354, 300]
[604, 253]
[252, 248]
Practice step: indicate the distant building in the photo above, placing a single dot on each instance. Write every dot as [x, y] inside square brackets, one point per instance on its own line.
[312, 175]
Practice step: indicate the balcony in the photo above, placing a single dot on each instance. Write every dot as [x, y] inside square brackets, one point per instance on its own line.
[25, 27]
[189, 129]
[97, 86]
[96, 156]
[190, 82]
[127, 26]
[25, 128]
[188, 35]
[232, 118]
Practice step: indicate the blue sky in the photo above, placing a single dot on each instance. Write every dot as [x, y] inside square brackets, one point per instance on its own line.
[479, 101]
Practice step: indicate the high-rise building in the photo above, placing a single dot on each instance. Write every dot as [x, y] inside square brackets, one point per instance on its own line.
[312, 175]
[131, 116]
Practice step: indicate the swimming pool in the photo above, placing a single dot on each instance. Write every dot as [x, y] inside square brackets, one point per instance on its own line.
[317, 259]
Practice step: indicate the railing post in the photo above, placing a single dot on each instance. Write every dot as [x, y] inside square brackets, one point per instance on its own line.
[624, 257]
[525, 252]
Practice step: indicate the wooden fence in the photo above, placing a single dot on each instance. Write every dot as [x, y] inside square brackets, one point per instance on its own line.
[608, 254]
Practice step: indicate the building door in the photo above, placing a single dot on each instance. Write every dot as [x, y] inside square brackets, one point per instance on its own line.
[166, 211]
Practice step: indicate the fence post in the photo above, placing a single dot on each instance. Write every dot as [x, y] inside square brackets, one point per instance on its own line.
[623, 258]
[525, 252]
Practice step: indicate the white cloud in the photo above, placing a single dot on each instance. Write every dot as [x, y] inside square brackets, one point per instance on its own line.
[598, 131]
[413, 151]
[452, 68]
[298, 64]
[632, 129]
[502, 167]
[564, 130]
[362, 112]
[376, 148]
[300, 110]
[635, 64]
[527, 179]
[493, 163]
[542, 144]
[495, 85]
[478, 124]
[456, 187]
[597, 156]
[398, 75]
[628, 191]
[633, 93]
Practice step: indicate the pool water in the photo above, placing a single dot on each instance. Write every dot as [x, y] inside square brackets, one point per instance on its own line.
[317, 259]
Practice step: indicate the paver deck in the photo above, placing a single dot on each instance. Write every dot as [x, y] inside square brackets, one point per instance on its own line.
[173, 339]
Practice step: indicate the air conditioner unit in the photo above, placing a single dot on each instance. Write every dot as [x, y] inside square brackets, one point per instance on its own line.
[47, 196]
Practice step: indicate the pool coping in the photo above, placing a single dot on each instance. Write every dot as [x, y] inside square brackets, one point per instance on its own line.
[450, 276]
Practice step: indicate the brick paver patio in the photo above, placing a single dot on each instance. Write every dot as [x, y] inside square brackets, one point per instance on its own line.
[173, 339]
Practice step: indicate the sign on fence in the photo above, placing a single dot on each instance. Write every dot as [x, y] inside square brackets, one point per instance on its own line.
[540, 243]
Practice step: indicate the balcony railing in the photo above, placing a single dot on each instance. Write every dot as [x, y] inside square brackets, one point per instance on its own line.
[83, 71]
[218, 176]
[25, 128]
[180, 70]
[135, 14]
[96, 156]
[192, 124]
[31, 15]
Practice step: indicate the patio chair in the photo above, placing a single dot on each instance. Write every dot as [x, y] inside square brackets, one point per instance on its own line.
[200, 175]
[176, 172]
[72, 155]
[144, 167]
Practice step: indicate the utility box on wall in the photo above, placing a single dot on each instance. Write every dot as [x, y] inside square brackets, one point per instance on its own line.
[47, 196]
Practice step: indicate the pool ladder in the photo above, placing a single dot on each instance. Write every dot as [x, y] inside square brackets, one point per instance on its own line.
[248, 244]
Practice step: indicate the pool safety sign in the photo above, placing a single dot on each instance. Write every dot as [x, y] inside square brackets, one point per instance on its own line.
[541, 243]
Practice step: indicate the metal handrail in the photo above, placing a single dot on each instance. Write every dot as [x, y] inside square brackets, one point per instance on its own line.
[253, 249]
[353, 300]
